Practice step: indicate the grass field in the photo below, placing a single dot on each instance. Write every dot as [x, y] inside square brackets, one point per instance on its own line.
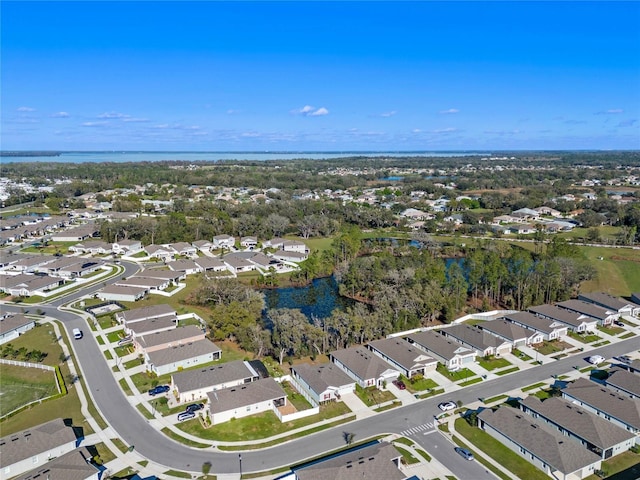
[618, 271]
[22, 385]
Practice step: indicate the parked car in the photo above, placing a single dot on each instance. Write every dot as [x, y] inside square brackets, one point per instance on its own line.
[464, 453]
[158, 390]
[77, 333]
[400, 384]
[595, 359]
[182, 416]
[194, 407]
[624, 359]
[444, 406]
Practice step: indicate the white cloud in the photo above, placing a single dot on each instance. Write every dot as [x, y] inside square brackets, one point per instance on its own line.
[611, 111]
[137, 120]
[416, 130]
[388, 114]
[309, 111]
[231, 111]
[60, 115]
[449, 111]
[113, 115]
[319, 112]
[94, 124]
[445, 130]
[26, 109]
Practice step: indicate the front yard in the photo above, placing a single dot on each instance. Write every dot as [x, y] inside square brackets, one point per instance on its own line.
[492, 363]
[372, 396]
[551, 347]
[462, 374]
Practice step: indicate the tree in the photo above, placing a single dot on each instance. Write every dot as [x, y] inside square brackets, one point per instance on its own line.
[288, 327]
[276, 224]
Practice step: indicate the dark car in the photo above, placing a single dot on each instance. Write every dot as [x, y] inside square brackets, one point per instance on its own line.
[194, 407]
[400, 384]
[464, 453]
[159, 389]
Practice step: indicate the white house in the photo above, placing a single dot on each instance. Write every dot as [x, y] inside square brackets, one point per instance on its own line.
[12, 326]
[120, 293]
[223, 241]
[322, 383]
[180, 356]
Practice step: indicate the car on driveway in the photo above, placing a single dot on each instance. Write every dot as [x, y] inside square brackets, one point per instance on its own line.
[445, 406]
[464, 453]
[624, 359]
[194, 407]
[182, 416]
[400, 384]
[158, 390]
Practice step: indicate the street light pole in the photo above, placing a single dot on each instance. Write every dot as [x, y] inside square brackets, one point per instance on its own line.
[240, 460]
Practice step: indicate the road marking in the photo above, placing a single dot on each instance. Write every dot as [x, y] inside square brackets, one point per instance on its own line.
[417, 429]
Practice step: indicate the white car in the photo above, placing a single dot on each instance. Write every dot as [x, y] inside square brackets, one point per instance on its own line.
[444, 406]
[596, 359]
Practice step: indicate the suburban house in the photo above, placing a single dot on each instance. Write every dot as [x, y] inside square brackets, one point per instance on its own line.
[245, 400]
[378, 461]
[619, 409]
[168, 338]
[25, 285]
[322, 383]
[184, 248]
[192, 385]
[146, 313]
[624, 382]
[119, 293]
[594, 433]
[238, 264]
[294, 246]
[612, 303]
[30, 448]
[76, 234]
[604, 316]
[12, 326]
[295, 257]
[72, 267]
[126, 247]
[211, 264]
[158, 251]
[549, 329]
[189, 267]
[170, 275]
[181, 355]
[149, 284]
[94, 247]
[203, 245]
[248, 242]
[223, 241]
[275, 242]
[510, 332]
[451, 354]
[364, 367]
[402, 355]
[73, 465]
[539, 444]
[525, 229]
[483, 342]
[31, 263]
[575, 322]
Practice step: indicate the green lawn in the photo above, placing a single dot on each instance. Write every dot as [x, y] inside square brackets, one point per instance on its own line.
[533, 387]
[612, 330]
[618, 271]
[295, 398]
[548, 348]
[625, 466]
[521, 355]
[407, 457]
[115, 336]
[500, 453]
[495, 399]
[372, 396]
[507, 371]
[418, 383]
[493, 362]
[462, 374]
[22, 385]
[584, 337]
[262, 425]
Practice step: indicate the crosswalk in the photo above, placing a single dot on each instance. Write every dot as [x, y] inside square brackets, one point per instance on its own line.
[420, 428]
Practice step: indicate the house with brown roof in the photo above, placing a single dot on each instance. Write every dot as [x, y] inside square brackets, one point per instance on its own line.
[593, 432]
[244, 400]
[364, 367]
[539, 444]
[403, 356]
[322, 383]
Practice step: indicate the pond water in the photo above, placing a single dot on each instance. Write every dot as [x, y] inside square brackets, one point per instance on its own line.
[318, 299]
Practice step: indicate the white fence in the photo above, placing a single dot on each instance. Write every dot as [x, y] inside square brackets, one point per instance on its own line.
[300, 414]
[26, 364]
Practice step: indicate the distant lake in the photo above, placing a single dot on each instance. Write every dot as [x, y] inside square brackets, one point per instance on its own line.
[318, 299]
[121, 157]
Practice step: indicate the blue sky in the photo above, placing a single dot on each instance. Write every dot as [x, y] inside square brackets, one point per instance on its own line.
[159, 75]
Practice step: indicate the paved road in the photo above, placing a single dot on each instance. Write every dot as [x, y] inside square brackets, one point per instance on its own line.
[135, 430]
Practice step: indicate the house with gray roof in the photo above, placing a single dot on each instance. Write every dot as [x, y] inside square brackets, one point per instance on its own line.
[594, 433]
[31, 263]
[482, 342]
[288, 256]
[510, 332]
[237, 263]
[211, 264]
[145, 313]
[188, 266]
[322, 383]
[623, 381]
[448, 352]
[26, 285]
[378, 461]
[74, 465]
[402, 355]
[120, 293]
[150, 325]
[159, 251]
[148, 283]
[192, 385]
[616, 304]
[168, 338]
[180, 356]
[173, 277]
[539, 444]
[575, 322]
[604, 316]
[364, 367]
[245, 400]
[12, 326]
[23, 451]
[548, 328]
[622, 410]
[203, 245]
[223, 241]
[184, 248]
